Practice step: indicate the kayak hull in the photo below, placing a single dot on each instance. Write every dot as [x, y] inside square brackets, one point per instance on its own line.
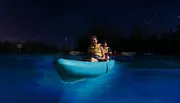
[73, 69]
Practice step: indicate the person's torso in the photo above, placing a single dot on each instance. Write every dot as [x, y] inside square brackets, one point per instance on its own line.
[95, 49]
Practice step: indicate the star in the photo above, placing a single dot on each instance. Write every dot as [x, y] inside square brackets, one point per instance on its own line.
[145, 22]
[165, 18]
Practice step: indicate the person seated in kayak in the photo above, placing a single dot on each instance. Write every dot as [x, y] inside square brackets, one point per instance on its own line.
[107, 50]
[95, 51]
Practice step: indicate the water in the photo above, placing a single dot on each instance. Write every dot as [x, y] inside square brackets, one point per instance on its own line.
[28, 79]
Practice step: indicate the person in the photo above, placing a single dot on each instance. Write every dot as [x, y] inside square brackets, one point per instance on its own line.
[107, 50]
[95, 51]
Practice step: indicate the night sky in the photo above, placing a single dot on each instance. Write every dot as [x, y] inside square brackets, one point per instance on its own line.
[52, 21]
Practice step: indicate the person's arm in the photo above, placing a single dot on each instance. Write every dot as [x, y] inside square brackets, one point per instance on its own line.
[103, 55]
[109, 51]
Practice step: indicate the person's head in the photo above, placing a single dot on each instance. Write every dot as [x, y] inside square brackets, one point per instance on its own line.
[104, 44]
[94, 40]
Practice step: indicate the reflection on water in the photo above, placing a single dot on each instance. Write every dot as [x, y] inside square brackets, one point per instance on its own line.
[28, 79]
[81, 91]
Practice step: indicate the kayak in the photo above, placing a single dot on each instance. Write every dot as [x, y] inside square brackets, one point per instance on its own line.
[74, 69]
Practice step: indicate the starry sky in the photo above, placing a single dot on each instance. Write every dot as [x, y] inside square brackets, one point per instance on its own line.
[52, 21]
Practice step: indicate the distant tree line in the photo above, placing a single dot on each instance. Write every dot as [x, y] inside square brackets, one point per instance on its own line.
[141, 39]
[27, 47]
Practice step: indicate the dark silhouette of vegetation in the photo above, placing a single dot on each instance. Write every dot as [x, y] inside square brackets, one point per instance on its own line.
[28, 47]
[140, 40]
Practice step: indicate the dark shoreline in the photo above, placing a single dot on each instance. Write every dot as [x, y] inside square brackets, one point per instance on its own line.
[58, 53]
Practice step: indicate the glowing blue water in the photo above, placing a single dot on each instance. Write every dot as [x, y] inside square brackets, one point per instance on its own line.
[28, 79]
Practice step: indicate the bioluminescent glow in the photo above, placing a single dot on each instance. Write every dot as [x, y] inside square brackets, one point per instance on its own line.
[81, 91]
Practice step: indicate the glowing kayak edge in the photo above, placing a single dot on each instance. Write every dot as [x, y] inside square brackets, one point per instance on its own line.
[74, 69]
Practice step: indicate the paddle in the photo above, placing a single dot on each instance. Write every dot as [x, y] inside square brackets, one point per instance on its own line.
[128, 53]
